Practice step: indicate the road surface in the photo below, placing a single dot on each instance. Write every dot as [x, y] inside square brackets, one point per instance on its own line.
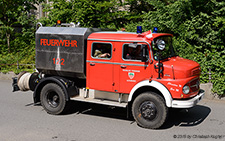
[21, 120]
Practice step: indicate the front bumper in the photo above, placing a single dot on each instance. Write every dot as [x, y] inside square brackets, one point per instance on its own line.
[188, 103]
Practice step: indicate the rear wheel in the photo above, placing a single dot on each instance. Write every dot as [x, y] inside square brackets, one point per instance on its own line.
[149, 110]
[53, 99]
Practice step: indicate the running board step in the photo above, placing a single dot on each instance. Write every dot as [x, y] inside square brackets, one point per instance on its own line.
[99, 101]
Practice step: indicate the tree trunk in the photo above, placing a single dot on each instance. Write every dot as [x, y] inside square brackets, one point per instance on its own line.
[8, 43]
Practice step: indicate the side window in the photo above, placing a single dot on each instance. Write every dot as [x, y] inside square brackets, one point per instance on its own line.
[132, 52]
[101, 50]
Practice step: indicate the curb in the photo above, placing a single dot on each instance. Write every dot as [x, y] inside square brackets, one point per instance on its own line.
[7, 76]
[206, 86]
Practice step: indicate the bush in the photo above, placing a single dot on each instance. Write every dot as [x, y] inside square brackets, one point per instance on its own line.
[198, 27]
[199, 30]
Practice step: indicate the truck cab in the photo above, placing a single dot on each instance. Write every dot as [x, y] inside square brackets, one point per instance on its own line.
[119, 73]
[137, 71]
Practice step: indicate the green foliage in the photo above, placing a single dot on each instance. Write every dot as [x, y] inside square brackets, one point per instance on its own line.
[16, 34]
[95, 13]
[198, 27]
[90, 13]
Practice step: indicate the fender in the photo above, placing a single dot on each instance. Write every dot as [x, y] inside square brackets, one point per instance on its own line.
[62, 82]
[160, 87]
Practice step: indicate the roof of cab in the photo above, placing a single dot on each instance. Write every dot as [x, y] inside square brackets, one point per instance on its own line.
[125, 36]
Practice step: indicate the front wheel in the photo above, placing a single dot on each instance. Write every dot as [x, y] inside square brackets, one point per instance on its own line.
[149, 110]
[53, 99]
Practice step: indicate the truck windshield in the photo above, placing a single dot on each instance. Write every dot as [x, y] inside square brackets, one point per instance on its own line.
[165, 53]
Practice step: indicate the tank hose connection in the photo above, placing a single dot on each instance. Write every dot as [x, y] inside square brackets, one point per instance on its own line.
[25, 81]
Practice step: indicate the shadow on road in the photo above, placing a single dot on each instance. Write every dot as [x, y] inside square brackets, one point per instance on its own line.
[77, 107]
[190, 117]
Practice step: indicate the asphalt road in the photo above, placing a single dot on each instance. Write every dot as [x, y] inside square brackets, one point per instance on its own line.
[20, 120]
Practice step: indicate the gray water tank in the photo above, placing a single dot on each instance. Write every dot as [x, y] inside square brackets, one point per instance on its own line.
[62, 50]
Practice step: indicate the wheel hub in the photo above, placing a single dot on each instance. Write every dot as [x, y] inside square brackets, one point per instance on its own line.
[53, 99]
[148, 110]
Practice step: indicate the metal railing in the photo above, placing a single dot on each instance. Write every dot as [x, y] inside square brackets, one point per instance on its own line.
[210, 75]
[18, 65]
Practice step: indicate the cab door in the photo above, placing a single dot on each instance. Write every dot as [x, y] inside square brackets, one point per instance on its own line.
[100, 66]
[133, 69]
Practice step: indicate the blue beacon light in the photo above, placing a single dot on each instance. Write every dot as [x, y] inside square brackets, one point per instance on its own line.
[155, 29]
[139, 29]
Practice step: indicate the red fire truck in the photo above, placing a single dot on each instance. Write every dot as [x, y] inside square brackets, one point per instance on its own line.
[138, 71]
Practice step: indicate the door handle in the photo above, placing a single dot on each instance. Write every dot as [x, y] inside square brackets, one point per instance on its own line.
[92, 64]
[123, 67]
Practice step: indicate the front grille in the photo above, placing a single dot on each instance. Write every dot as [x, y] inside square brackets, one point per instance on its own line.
[195, 85]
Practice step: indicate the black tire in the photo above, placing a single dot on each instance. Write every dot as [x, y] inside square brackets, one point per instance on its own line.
[149, 110]
[53, 99]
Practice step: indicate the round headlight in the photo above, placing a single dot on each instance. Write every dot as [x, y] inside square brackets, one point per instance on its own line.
[161, 44]
[186, 89]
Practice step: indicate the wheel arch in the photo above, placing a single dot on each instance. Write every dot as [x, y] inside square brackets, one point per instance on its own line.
[55, 79]
[153, 86]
